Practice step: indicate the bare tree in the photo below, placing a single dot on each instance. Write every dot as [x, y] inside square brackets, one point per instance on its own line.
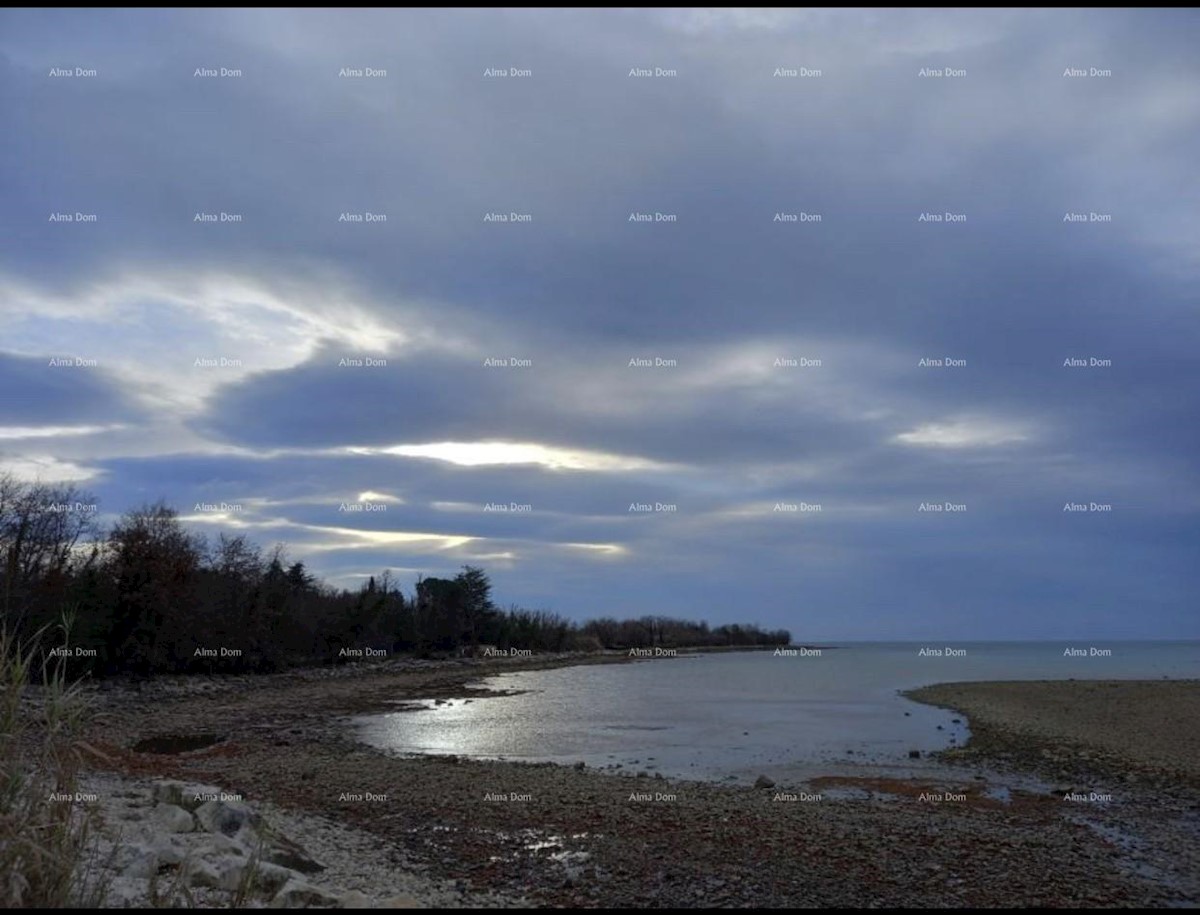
[41, 526]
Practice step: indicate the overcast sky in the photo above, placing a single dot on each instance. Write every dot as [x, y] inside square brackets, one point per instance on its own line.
[264, 374]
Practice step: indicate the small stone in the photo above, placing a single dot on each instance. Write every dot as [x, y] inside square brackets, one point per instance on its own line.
[763, 782]
[914, 754]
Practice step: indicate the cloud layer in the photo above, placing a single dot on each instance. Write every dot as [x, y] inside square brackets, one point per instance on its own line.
[840, 269]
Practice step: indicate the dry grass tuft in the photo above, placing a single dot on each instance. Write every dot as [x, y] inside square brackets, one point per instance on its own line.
[44, 832]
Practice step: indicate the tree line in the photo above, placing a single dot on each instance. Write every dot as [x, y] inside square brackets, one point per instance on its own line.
[148, 596]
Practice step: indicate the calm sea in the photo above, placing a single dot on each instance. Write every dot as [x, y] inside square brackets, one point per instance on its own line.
[731, 716]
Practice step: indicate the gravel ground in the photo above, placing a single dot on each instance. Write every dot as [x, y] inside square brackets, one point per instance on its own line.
[963, 834]
[1125, 755]
[1148, 725]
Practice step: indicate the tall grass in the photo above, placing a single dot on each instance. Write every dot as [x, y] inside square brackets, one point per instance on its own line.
[43, 837]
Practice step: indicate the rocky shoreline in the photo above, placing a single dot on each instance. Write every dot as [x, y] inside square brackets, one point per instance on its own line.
[167, 843]
[468, 832]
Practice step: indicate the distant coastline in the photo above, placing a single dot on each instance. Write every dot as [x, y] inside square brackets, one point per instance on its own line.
[727, 649]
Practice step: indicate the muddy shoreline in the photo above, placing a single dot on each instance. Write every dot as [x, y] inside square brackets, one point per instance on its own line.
[561, 835]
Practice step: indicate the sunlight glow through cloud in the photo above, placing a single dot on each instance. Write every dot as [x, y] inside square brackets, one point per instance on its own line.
[351, 538]
[150, 328]
[479, 454]
[606, 549]
[370, 495]
[24, 432]
[967, 433]
[45, 469]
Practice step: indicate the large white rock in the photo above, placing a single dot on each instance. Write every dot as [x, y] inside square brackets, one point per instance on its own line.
[229, 818]
[167, 791]
[296, 894]
[173, 819]
[264, 879]
[199, 872]
[167, 851]
[136, 860]
[216, 846]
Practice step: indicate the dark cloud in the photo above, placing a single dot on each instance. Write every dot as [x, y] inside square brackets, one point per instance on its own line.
[57, 389]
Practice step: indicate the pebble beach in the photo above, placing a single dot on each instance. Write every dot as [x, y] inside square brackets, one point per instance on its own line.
[1069, 793]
